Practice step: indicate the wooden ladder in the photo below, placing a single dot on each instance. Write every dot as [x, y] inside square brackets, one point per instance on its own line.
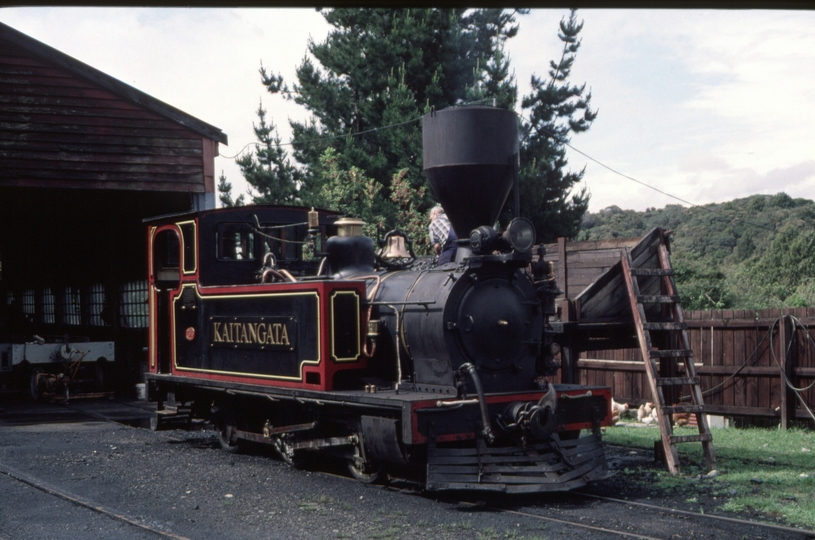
[674, 331]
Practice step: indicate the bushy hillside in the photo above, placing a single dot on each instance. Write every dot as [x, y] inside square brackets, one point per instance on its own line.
[748, 253]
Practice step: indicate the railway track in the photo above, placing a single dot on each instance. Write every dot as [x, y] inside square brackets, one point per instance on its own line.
[700, 516]
[574, 511]
[753, 528]
[569, 523]
[662, 518]
[785, 532]
[50, 489]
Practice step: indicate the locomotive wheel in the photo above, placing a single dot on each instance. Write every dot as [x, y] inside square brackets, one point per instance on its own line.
[225, 422]
[366, 474]
[363, 471]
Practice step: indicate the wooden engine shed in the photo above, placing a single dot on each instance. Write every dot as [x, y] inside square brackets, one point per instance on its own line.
[84, 158]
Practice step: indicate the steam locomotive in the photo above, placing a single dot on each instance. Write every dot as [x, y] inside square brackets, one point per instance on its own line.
[393, 363]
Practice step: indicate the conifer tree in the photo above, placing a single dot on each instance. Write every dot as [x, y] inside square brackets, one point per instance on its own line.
[379, 70]
[386, 67]
[554, 110]
[225, 193]
[269, 171]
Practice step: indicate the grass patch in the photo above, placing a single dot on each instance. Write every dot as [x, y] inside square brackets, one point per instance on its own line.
[463, 525]
[316, 504]
[487, 533]
[761, 470]
[385, 534]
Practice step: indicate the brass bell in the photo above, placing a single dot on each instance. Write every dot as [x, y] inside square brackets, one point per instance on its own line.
[395, 249]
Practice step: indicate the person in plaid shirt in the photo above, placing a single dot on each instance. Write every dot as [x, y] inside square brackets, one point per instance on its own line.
[442, 237]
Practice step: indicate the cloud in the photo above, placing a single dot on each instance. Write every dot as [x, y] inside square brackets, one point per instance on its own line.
[725, 106]
[798, 180]
[705, 105]
[720, 185]
[701, 161]
[202, 61]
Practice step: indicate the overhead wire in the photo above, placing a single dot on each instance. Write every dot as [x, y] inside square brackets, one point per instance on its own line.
[540, 129]
[748, 361]
[627, 177]
[373, 130]
[644, 184]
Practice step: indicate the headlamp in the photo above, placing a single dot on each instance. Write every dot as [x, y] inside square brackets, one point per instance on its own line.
[520, 234]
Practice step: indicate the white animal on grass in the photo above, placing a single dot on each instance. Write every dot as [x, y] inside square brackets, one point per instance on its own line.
[647, 413]
[617, 410]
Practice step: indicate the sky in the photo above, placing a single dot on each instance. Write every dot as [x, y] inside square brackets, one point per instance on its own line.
[704, 105]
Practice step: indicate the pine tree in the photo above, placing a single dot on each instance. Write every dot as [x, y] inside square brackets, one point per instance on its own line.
[225, 193]
[554, 109]
[379, 70]
[386, 67]
[269, 171]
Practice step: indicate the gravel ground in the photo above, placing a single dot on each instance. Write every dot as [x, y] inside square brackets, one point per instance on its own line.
[180, 483]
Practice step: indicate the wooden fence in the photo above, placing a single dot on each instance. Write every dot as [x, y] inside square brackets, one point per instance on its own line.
[745, 360]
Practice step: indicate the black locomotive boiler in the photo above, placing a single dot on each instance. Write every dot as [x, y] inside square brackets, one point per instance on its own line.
[442, 373]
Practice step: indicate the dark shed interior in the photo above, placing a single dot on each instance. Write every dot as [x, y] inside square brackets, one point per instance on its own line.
[84, 158]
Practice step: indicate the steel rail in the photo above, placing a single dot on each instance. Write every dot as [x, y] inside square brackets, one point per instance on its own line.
[77, 500]
[566, 522]
[739, 521]
[414, 489]
[780, 528]
[83, 502]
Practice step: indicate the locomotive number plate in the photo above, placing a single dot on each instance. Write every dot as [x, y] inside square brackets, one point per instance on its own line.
[260, 333]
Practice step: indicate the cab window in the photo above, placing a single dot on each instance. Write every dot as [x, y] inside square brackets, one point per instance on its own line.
[166, 257]
[235, 242]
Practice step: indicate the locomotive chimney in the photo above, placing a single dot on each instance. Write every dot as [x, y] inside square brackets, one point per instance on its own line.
[470, 158]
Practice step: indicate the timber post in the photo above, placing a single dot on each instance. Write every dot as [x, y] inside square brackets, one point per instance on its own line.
[569, 355]
[563, 273]
[787, 361]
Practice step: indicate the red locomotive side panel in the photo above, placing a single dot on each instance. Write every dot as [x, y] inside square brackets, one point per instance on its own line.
[294, 335]
[284, 334]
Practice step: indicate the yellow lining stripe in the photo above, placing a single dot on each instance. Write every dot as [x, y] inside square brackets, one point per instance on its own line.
[151, 302]
[316, 296]
[183, 251]
[334, 357]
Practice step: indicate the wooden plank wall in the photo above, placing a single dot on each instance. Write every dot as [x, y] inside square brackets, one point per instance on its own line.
[586, 261]
[60, 130]
[739, 356]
